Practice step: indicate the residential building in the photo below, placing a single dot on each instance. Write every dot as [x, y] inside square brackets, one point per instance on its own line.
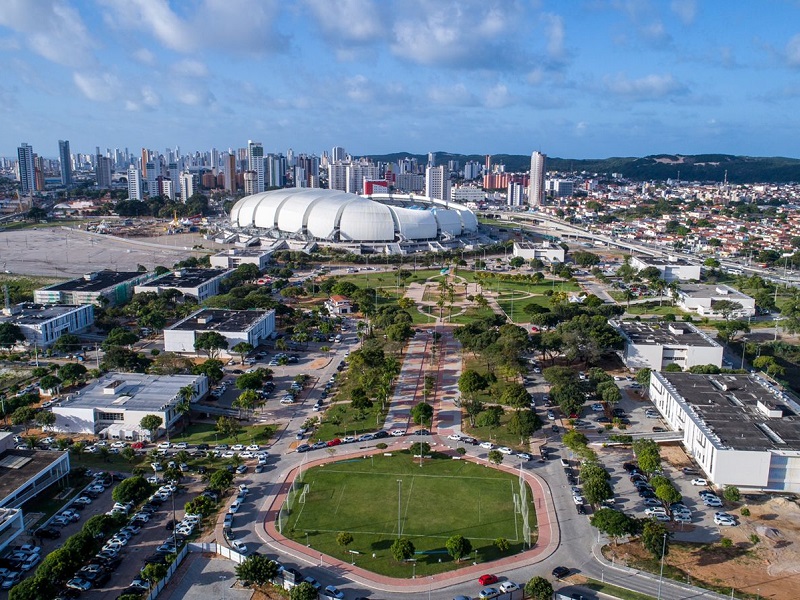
[134, 183]
[102, 172]
[536, 190]
[544, 251]
[188, 186]
[705, 300]
[672, 269]
[740, 429]
[339, 305]
[468, 193]
[27, 169]
[230, 173]
[233, 257]
[437, 183]
[656, 345]
[113, 406]
[250, 183]
[251, 326]
[43, 324]
[515, 194]
[199, 284]
[115, 287]
[65, 158]
[255, 163]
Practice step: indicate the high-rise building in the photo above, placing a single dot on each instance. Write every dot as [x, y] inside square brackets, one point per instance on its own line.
[230, 173]
[27, 170]
[250, 182]
[102, 172]
[437, 183]
[65, 158]
[338, 154]
[337, 176]
[431, 159]
[255, 162]
[188, 185]
[536, 190]
[515, 194]
[134, 182]
[38, 165]
[276, 170]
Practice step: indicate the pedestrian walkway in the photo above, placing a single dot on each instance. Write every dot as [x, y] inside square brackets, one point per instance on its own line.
[410, 383]
[447, 411]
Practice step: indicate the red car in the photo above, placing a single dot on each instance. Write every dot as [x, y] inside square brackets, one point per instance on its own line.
[485, 580]
[334, 442]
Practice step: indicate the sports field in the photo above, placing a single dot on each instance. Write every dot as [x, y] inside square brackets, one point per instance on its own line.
[442, 498]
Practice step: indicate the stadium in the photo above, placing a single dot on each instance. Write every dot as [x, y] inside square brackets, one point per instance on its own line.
[388, 223]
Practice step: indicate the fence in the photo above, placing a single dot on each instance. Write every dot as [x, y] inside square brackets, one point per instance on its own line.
[170, 572]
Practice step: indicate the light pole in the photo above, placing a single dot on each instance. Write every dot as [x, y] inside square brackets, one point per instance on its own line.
[399, 496]
[661, 576]
[222, 579]
[744, 351]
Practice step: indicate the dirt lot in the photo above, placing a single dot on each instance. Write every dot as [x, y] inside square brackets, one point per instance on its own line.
[768, 568]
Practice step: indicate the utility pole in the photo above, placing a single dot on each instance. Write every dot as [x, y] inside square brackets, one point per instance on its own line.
[661, 576]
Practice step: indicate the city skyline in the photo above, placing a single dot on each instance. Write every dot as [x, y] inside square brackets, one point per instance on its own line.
[587, 80]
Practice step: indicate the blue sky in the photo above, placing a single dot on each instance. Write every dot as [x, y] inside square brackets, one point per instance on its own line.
[572, 78]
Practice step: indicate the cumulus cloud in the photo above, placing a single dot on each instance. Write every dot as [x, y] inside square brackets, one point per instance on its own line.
[51, 29]
[351, 21]
[649, 87]
[498, 96]
[452, 95]
[554, 33]
[793, 51]
[144, 56]
[655, 33]
[191, 68]
[686, 10]
[100, 87]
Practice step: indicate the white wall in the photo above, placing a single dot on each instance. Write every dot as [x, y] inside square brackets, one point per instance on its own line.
[74, 420]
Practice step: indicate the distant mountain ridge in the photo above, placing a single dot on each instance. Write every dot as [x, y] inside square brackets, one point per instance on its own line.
[698, 167]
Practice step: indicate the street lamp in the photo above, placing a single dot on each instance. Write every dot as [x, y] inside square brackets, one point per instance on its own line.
[661, 576]
[222, 578]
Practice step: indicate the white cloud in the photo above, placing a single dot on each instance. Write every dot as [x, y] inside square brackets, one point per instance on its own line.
[655, 33]
[793, 51]
[191, 68]
[685, 9]
[554, 33]
[150, 97]
[580, 128]
[498, 96]
[145, 56]
[650, 87]
[452, 95]
[102, 87]
[351, 21]
[51, 28]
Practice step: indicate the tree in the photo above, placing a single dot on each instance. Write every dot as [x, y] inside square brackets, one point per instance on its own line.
[228, 427]
[251, 381]
[220, 480]
[673, 368]
[458, 547]
[470, 382]
[23, 416]
[67, 342]
[655, 538]
[344, 539]
[45, 418]
[359, 399]
[210, 342]
[539, 588]
[402, 549]
[420, 449]
[502, 544]
[574, 440]
[613, 523]
[119, 336]
[128, 454]
[731, 493]
[596, 490]
[304, 591]
[422, 413]
[495, 457]
[524, 423]
[242, 349]
[647, 455]
[516, 262]
[132, 489]
[473, 408]
[153, 573]
[516, 396]
[726, 307]
[667, 493]
[50, 382]
[10, 334]
[151, 423]
[257, 569]
[71, 373]
[212, 368]
[643, 377]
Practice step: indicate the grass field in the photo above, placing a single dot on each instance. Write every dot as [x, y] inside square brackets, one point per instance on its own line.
[442, 498]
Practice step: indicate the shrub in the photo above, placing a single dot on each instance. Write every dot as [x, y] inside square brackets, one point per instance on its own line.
[726, 543]
[745, 512]
[381, 446]
[731, 493]
[754, 539]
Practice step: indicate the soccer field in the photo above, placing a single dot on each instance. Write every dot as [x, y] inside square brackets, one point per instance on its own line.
[442, 498]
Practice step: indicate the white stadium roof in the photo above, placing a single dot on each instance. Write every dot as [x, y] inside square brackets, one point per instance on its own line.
[338, 216]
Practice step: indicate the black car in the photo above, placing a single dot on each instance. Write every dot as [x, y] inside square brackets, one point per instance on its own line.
[156, 559]
[581, 510]
[202, 446]
[50, 533]
[380, 434]
[202, 470]
[603, 420]
[560, 572]
[469, 440]
[422, 432]
[170, 524]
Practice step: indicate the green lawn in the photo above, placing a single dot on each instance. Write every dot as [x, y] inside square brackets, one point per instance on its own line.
[652, 308]
[54, 498]
[520, 305]
[341, 420]
[497, 435]
[442, 498]
[205, 433]
[387, 279]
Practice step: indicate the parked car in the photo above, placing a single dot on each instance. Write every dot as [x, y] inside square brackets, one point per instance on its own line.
[699, 481]
[560, 572]
[487, 579]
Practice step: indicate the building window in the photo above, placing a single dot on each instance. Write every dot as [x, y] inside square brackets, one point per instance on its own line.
[104, 416]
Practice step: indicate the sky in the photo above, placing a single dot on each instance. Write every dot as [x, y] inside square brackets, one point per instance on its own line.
[570, 78]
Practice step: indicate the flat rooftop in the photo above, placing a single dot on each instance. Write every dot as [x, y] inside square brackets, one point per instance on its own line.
[699, 290]
[246, 252]
[535, 245]
[664, 334]
[29, 313]
[95, 282]
[216, 319]
[728, 405]
[129, 391]
[18, 466]
[185, 278]
[664, 262]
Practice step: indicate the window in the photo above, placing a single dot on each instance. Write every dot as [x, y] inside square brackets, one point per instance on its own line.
[104, 416]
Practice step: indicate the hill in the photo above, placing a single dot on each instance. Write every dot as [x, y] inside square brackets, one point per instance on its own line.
[699, 167]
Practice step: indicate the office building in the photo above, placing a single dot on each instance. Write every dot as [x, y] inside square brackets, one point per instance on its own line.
[115, 287]
[437, 183]
[113, 406]
[65, 158]
[656, 345]
[27, 169]
[188, 186]
[38, 165]
[251, 326]
[43, 324]
[672, 269]
[713, 301]
[545, 251]
[134, 183]
[255, 163]
[338, 154]
[199, 284]
[102, 172]
[233, 257]
[536, 190]
[740, 429]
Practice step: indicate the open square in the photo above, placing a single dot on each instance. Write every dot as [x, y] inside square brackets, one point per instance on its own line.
[442, 498]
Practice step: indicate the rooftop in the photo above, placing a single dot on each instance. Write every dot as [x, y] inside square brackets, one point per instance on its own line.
[535, 245]
[184, 278]
[130, 391]
[95, 282]
[664, 262]
[699, 290]
[18, 466]
[217, 319]
[664, 334]
[28, 313]
[744, 411]
[245, 252]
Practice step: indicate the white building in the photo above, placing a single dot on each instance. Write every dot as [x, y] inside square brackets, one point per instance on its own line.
[43, 324]
[115, 287]
[536, 185]
[437, 183]
[656, 345]
[233, 257]
[468, 194]
[339, 305]
[114, 405]
[188, 186]
[251, 326]
[673, 268]
[134, 183]
[704, 300]
[255, 163]
[741, 430]
[197, 283]
[560, 188]
[515, 194]
[545, 251]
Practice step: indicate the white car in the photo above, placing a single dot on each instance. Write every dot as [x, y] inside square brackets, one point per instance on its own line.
[234, 508]
[237, 447]
[239, 547]
[682, 518]
[246, 454]
[505, 450]
[455, 437]
[398, 432]
[724, 521]
[578, 499]
[164, 446]
[655, 510]
[253, 448]
[712, 502]
[487, 445]
[181, 446]
[699, 481]
[597, 407]
[118, 445]
[508, 586]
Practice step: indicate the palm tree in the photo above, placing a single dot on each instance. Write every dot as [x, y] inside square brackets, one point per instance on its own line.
[628, 295]
[660, 285]
[280, 344]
